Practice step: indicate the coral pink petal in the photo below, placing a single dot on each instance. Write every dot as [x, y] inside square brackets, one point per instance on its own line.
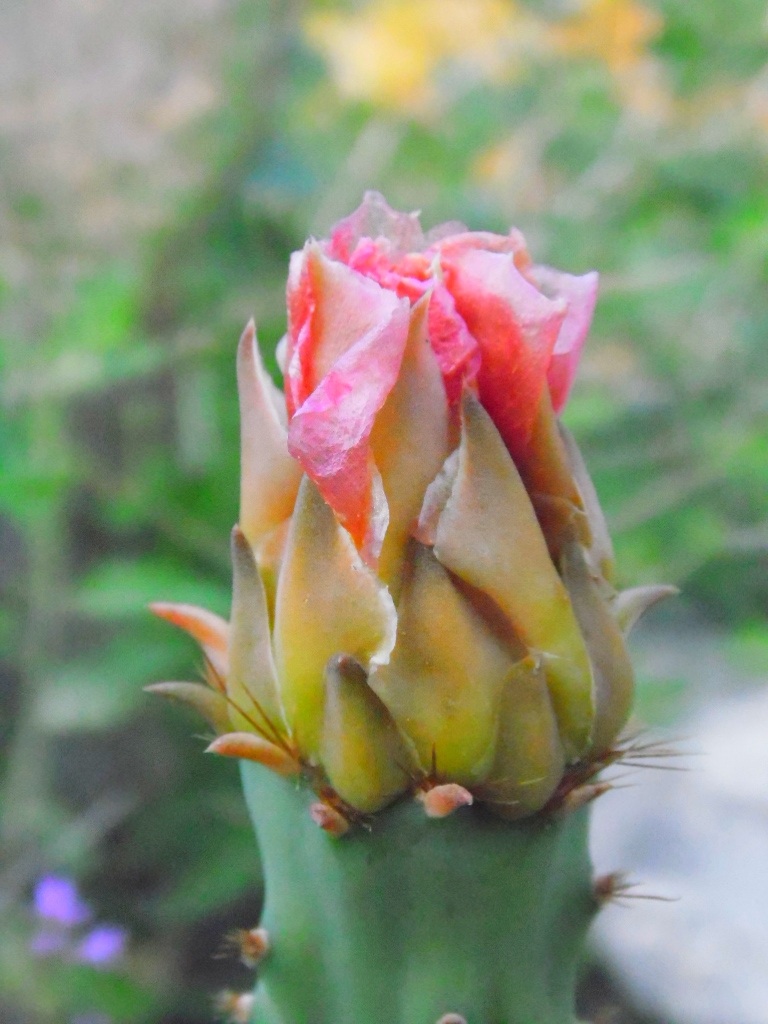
[458, 354]
[454, 246]
[353, 350]
[375, 218]
[300, 302]
[580, 294]
[516, 328]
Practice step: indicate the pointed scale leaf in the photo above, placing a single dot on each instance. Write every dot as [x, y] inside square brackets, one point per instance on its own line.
[252, 681]
[210, 630]
[362, 752]
[614, 678]
[410, 441]
[328, 602]
[208, 703]
[269, 476]
[548, 477]
[442, 683]
[601, 548]
[489, 536]
[269, 558]
[628, 606]
[529, 755]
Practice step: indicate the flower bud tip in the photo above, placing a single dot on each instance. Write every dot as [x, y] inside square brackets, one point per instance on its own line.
[440, 801]
[329, 819]
[452, 1018]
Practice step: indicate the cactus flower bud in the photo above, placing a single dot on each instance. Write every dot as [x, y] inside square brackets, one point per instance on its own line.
[422, 573]
[423, 606]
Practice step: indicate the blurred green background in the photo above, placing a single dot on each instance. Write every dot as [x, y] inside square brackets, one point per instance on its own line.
[159, 162]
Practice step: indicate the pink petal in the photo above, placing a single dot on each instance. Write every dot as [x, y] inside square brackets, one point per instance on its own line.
[373, 219]
[458, 354]
[516, 328]
[345, 360]
[453, 246]
[580, 294]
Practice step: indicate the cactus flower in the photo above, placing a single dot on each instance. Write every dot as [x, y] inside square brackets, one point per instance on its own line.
[423, 600]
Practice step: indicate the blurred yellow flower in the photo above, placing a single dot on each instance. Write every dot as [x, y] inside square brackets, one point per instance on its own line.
[614, 31]
[388, 52]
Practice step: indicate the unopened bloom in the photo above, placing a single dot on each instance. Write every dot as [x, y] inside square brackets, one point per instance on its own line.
[423, 587]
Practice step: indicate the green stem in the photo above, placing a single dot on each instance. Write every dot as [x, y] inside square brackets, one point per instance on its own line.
[417, 918]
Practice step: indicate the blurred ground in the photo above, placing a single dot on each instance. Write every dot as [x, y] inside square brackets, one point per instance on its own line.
[158, 163]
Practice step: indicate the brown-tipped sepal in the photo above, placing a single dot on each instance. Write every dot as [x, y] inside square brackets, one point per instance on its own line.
[362, 752]
[250, 747]
[208, 703]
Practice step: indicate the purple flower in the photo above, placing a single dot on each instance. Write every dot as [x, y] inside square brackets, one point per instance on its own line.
[57, 899]
[102, 945]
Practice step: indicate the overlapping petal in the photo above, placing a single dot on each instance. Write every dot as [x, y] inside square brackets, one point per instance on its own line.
[516, 328]
[342, 365]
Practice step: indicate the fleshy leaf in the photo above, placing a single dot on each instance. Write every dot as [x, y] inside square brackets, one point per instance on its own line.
[614, 678]
[362, 752]
[209, 629]
[251, 684]
[328, 602]
[344, 364]
[269, 476]
[443, 679]
[409, 442]
[208, 703]
[488, 535]
[529, 755]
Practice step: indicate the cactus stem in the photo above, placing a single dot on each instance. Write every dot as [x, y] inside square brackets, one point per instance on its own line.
[468, 919]
[442, 800]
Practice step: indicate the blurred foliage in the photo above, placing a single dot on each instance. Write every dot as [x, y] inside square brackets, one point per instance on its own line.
[624, 136]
